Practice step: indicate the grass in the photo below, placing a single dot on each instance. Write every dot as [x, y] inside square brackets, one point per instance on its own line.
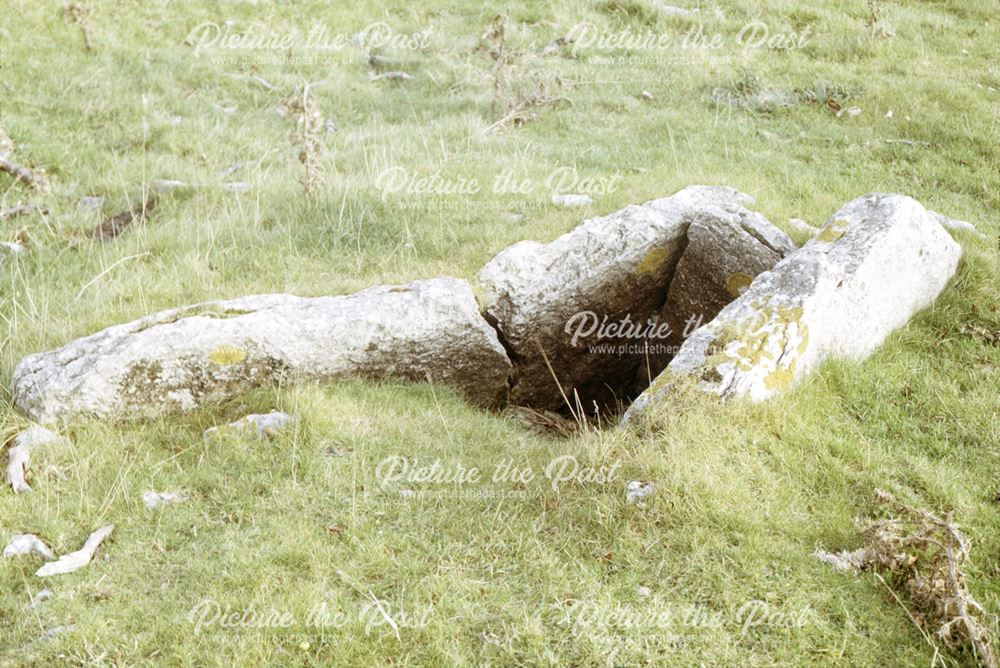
[513, 571]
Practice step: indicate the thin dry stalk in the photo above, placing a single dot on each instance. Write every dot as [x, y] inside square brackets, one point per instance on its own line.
[80, 15]
[496, 42]
[523, 109]
[307, 135]
[33, 178]
[22, 210]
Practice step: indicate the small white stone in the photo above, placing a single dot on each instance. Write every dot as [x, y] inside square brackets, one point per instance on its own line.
[76, 560]
[571, 200]
[166, 185]
[236, 187]
[155, 499]
[28, 543]
[19, 454]
[43, 595]
[266, 425]
[635, 491]
[90, 203]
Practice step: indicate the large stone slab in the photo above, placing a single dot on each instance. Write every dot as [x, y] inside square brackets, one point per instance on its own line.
[877, 261]
[176, 360]
[586, 308]
[727, 247]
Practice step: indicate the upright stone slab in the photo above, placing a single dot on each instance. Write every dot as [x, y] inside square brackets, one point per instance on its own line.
[176, 360]
[587, 307]
[727, 247]
[877, 261]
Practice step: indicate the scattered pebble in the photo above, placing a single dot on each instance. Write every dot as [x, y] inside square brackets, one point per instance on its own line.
[76, 560]
[28, 543]
[646, 95]
[166, 185]
[571, 200]
[888, 114]
[265, 425]
[18, 460]
[43, 595]
[643, 592]
[670, 10]
[59, 630]
[635, 491]
[19, 454]
[850, 111]
[154, 499]
[392, 76]
[90, 203]
[13, 247]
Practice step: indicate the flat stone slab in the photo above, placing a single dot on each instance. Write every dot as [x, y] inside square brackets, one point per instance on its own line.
[588, 307]
[176, 360]
[876, 262]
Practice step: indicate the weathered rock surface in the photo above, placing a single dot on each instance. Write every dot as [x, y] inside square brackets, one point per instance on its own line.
[874, 264]
[176, 360]
[587, 307]
[727, 247]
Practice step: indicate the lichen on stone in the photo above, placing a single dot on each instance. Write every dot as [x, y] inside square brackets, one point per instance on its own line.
[738, 282]
[774, 337]
[225, 355]
[833, 231]
[653, 261]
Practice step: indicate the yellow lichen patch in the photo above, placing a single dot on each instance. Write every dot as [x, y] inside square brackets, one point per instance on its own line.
[737, 283]
[780, 379]
[225, 354]
[653, 262]
[834, 231]
[762, 342]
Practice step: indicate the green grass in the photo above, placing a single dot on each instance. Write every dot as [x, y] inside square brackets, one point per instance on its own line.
[493, 573]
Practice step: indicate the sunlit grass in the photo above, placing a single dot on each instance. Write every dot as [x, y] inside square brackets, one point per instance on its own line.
[503, 571]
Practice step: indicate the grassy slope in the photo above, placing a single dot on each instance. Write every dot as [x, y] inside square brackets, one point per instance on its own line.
[745, 494]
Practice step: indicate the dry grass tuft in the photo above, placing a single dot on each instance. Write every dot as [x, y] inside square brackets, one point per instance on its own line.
[307, 136]
[80, 15]
[926, 553]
